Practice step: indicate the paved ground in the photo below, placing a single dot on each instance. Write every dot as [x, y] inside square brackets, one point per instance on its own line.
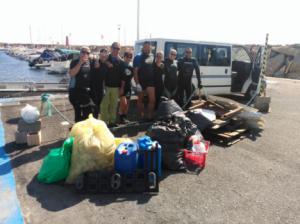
[255, 181]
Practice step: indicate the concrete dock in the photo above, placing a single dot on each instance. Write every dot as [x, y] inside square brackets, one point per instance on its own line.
[254, 181]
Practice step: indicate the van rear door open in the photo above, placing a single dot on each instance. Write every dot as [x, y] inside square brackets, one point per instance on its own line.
[215, 68]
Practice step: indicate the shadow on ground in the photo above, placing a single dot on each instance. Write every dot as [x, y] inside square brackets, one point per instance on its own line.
[13, 120]
[60, 196]
[22, 154]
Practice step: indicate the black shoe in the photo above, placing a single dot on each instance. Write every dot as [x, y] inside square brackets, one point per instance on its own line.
[126, 121]
[112, 125]
[122, 119]
[149, 120]
[146, 120]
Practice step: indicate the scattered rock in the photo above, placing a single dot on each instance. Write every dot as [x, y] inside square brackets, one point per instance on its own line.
[287, 50]
[275, 63]
[293, 75]
[295, 66]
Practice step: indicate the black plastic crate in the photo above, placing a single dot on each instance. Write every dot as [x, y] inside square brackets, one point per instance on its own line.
[142, 180]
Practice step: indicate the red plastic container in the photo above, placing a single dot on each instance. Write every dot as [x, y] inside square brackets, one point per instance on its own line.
[195, 161]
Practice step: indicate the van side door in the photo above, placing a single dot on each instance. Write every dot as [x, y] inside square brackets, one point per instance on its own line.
[215, 68]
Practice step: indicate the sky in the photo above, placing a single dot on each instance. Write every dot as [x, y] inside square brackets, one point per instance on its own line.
[100, 22]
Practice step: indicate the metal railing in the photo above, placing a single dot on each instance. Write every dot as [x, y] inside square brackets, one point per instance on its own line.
[32, 86]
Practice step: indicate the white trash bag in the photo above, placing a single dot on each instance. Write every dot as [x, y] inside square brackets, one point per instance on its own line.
[30, 114]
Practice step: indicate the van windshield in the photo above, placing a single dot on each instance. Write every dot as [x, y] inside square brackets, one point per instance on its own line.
[139, 46]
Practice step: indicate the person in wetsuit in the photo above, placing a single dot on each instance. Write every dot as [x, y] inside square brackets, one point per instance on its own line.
[171, 77]
[186, 67]
[158, 69]
[79, 87]
[144, 79]
[98, 72]
[125, 90]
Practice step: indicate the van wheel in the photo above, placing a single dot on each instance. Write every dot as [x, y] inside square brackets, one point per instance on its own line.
[250, 92]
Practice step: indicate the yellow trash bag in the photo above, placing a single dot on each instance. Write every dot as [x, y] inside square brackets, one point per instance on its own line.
[118, 141]
[93, 148]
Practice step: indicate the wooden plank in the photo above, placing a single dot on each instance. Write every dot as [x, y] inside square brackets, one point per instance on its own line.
[216, 104]
[232, 134]
[219, 123]
[231, 113]
[230, 143]
[197, 106]
[195, 102]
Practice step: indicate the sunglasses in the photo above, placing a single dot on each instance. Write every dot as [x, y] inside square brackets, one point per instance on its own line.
[173, 54]
[115, 48]
[85, 52]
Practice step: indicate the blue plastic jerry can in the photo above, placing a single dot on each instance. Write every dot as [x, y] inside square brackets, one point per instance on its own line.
[146, 145]
[126, 158]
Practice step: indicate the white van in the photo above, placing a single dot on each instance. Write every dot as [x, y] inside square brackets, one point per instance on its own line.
[224, 68]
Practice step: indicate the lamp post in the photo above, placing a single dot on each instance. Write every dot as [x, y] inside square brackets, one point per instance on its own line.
[138, 21]
[119, 33]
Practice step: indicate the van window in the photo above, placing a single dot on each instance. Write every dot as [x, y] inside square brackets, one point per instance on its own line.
[240, 54]
[212, 55]
[139, 46]
[180, 48]
[168, 47]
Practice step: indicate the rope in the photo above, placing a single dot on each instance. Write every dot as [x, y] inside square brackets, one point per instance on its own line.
[45, 99]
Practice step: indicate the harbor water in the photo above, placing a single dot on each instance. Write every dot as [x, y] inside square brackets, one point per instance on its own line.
[16, 70]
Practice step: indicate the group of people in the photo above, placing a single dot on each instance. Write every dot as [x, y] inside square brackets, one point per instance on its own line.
[96, 85]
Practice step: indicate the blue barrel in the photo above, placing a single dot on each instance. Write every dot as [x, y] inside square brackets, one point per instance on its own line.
[146, 144]
[126, 158]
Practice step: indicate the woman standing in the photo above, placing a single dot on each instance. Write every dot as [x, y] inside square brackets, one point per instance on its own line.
[158, 68]
[171, 80]
[98, 72]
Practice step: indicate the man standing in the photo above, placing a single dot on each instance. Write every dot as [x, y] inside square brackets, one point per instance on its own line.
[112, 84]
[125, 90]
[186, 67]
[79, 88]
[144, 78]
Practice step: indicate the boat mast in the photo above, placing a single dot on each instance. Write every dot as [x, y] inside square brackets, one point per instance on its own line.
[30, 35]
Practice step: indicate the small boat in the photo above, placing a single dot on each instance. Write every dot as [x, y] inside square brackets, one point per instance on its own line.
[44, 59]
[58, 67]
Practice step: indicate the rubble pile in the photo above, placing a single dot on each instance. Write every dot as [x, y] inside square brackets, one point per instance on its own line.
[284, 62]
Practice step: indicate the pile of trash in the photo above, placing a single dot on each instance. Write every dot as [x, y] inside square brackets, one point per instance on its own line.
[284, 62]
[223, 121]
[95, 161]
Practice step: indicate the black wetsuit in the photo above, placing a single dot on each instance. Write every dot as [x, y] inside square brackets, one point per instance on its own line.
[97, 85]
[79, 91]
[158, 82]
[144, 63]
[186, 67]
[171, 78]
[127, 77]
